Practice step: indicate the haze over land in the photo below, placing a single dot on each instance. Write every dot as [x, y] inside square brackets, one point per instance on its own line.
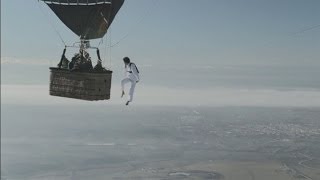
[114, 142]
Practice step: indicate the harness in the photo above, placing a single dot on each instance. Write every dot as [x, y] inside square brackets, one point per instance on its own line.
[130, 68]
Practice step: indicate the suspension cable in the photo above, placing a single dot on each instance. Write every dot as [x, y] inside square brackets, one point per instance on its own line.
[147, 13]
[307, 29]
[51, 23]
[129, 32]
[110, 48]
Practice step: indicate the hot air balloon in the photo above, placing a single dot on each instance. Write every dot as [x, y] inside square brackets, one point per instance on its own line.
[89, 19]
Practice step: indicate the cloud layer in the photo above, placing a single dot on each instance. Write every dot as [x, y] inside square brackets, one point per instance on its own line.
[15, 60]
[151, 95]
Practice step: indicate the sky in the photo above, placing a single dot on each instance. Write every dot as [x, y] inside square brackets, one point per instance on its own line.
[207, 32]
[186, 44]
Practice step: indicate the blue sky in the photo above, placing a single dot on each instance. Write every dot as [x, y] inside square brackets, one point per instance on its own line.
[185, 45]
[165, 32]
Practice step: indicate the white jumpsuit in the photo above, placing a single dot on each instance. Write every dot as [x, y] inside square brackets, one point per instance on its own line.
[132, 76]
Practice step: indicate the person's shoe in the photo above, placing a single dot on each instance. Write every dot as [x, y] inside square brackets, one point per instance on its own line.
[122, 94]
[127, 103]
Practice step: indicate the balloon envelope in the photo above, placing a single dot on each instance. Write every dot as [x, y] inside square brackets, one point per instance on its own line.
[89, 19]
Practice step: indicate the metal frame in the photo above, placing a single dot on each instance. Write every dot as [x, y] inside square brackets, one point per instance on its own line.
[81, 43]
[84, 45]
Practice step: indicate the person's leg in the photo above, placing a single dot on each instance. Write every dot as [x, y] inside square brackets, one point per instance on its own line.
[133, 85]
[123, 82]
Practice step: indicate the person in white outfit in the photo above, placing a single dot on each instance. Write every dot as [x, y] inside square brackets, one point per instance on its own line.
[131, 76]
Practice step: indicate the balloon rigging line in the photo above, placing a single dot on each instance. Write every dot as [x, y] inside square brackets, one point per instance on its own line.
[55, 29]
[101, 41]
[138, 22]
[308, 29]
[110, 60]
[109, 44]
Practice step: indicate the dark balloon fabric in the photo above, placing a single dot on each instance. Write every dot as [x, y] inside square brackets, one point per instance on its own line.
[88, 21]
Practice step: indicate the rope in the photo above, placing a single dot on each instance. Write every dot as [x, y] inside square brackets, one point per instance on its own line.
[105, 20]
[107, 49]
[138, 22]
[55, 29]
[101, 41]
[110, 48]
[108, 26]
[109, 44]
[307, 29]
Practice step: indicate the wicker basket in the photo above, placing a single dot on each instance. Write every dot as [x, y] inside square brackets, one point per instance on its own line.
[90, 86]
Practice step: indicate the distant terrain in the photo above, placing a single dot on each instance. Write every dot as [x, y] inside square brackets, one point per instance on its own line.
[157, 143]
